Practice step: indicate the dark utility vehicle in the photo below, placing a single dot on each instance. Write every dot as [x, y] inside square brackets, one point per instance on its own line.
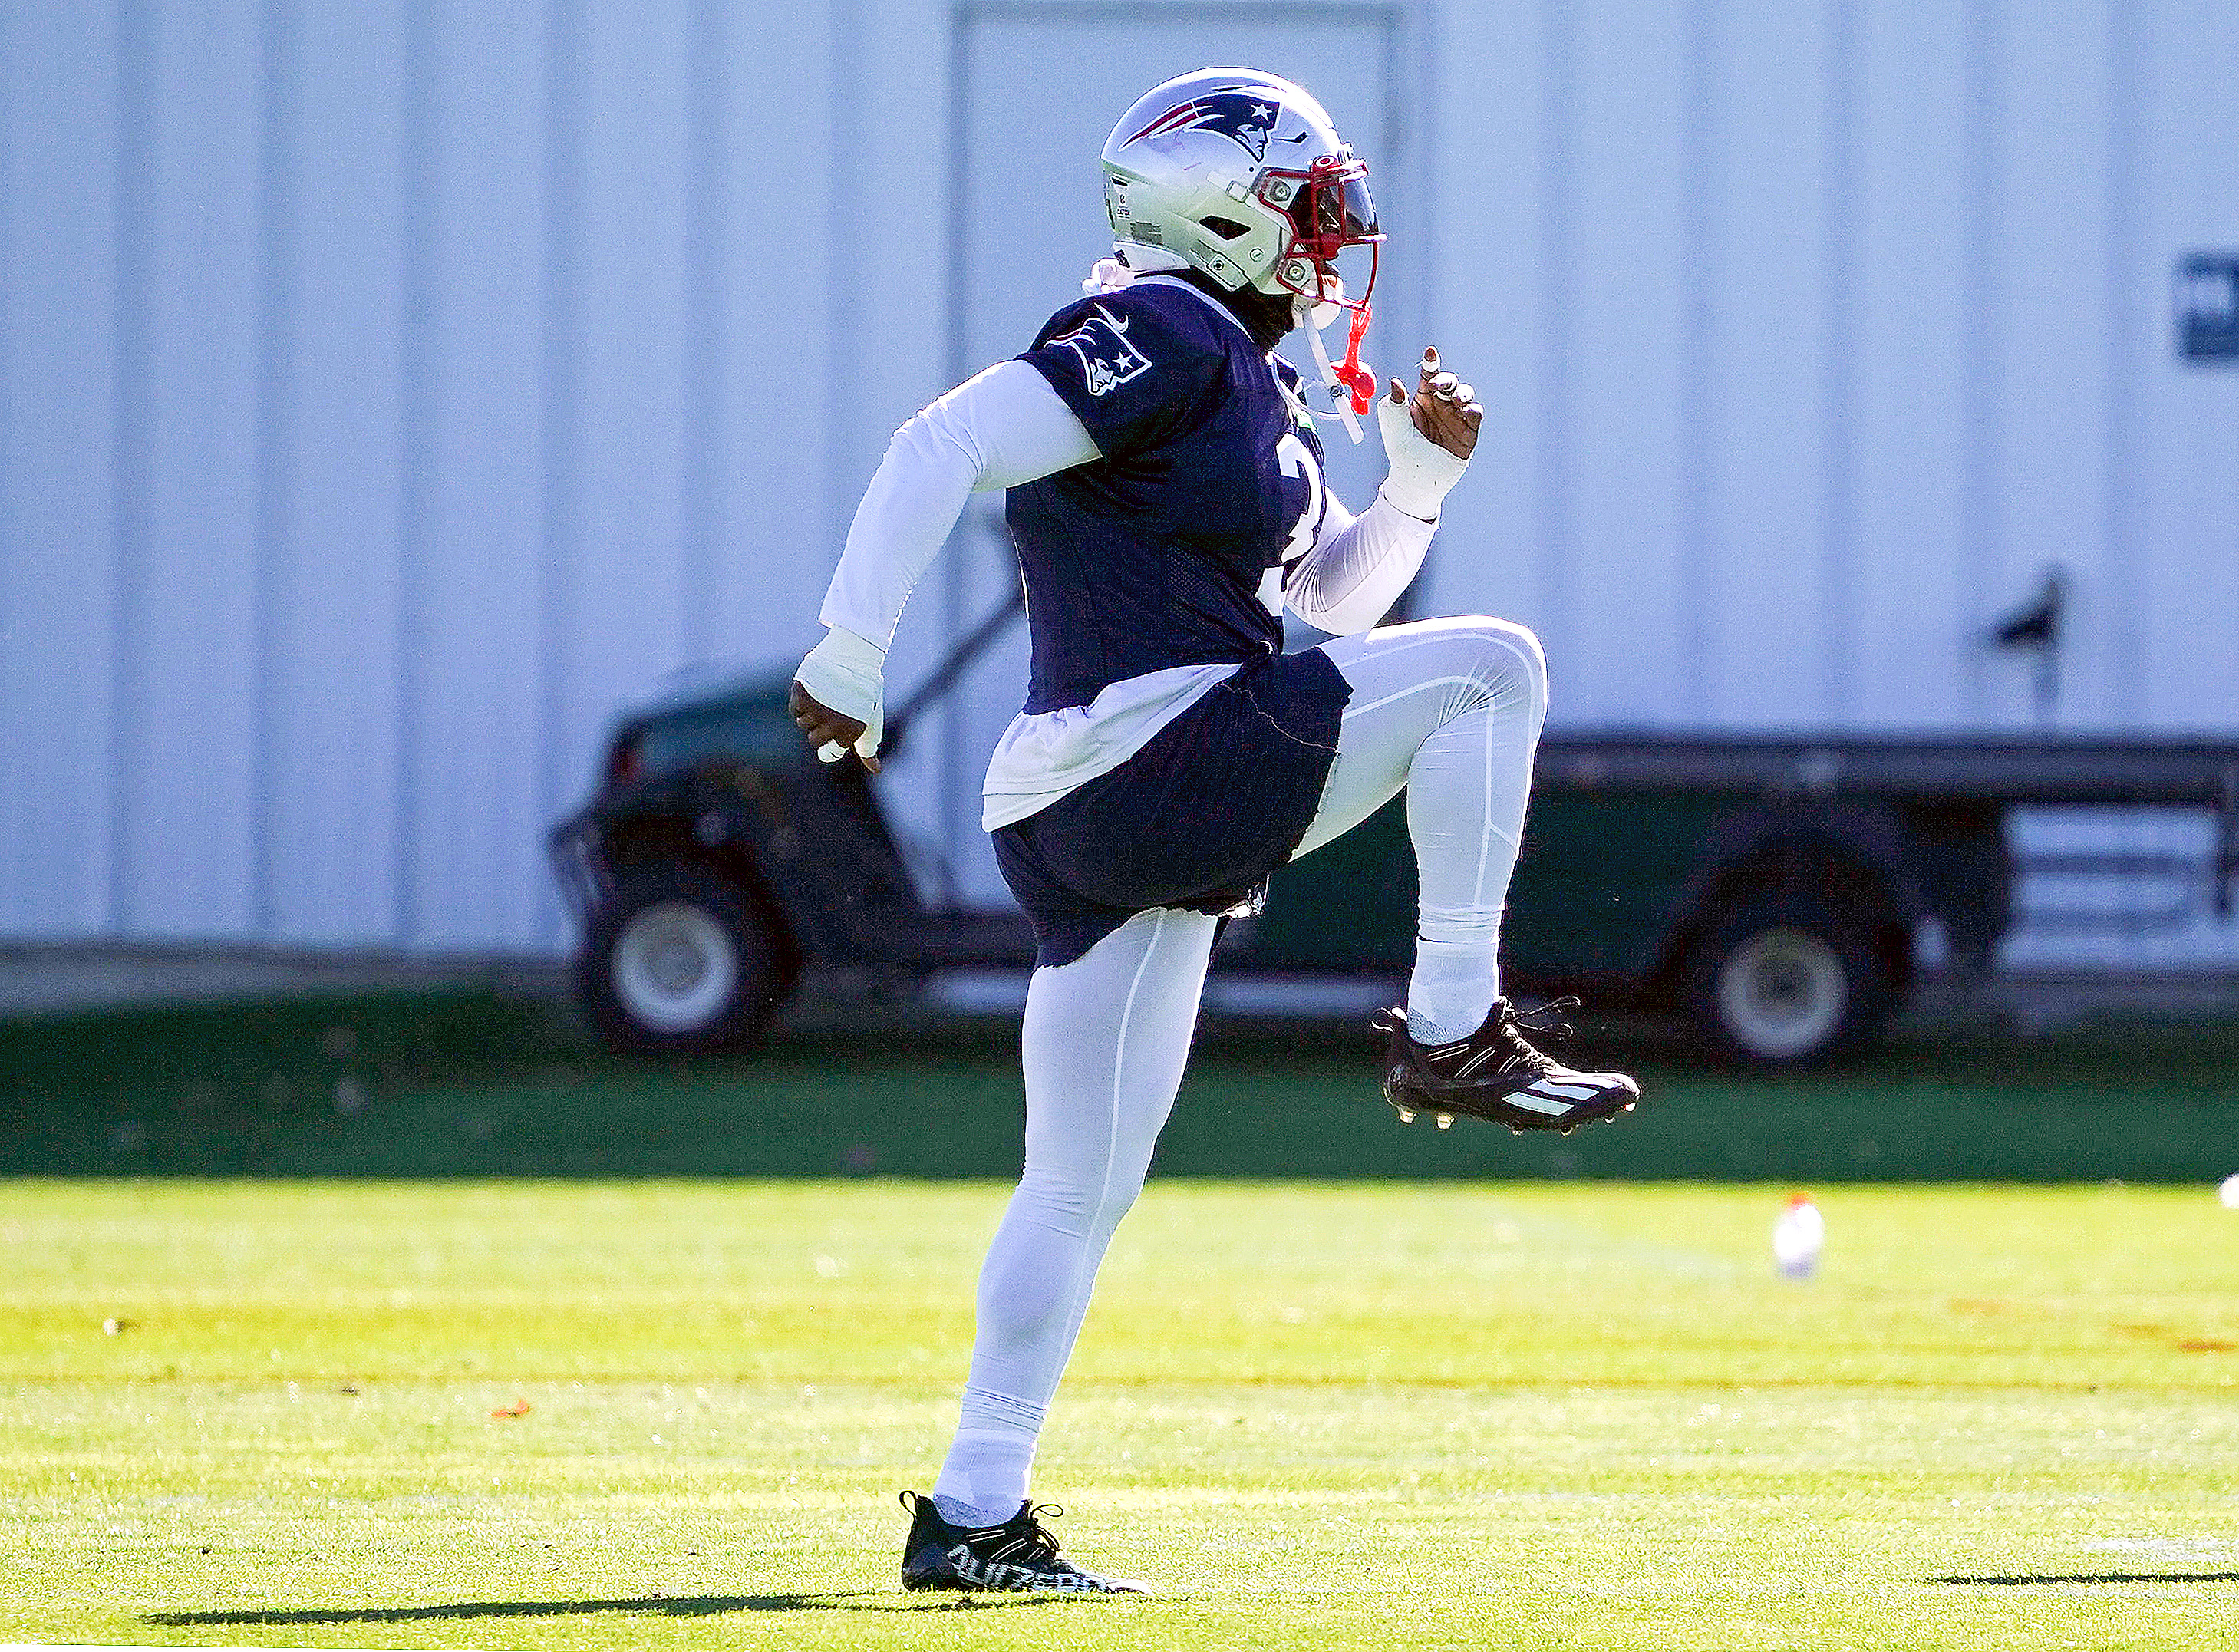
[1775, 890]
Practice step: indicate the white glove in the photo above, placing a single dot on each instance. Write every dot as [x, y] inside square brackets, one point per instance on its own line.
[846, 673]
[1421, 471]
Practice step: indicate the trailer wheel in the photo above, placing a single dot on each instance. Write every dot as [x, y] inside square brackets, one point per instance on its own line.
[1779, 981]
[683, 958]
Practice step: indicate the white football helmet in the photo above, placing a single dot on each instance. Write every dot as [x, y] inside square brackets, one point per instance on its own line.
[1241, 175]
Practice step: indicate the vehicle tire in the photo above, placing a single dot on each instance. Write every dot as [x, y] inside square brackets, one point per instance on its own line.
[683, 958]
[1779, 981]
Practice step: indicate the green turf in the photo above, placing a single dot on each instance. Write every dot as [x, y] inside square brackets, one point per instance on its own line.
[471, 1085]
[1461, 1414]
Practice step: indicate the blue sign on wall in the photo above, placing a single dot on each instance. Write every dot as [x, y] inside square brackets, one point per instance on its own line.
[2208, 306]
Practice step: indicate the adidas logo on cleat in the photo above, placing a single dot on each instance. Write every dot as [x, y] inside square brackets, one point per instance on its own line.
[1496, 1074]
[998, 1575]
[1018, 1557]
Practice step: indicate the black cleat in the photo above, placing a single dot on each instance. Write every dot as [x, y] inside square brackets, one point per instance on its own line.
[1018, 1555]
[1495, 1074]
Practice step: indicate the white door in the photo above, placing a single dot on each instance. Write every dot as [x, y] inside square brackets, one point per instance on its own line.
[1041, 85]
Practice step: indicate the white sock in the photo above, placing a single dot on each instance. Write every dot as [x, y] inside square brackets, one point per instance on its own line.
[984, 1480]
[965, 1515]
[1451, 990]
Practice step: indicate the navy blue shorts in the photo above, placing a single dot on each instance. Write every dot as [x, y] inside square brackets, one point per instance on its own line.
[1218, 798]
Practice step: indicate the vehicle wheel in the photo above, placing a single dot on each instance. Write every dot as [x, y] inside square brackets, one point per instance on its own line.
[1787, 980]
[683, 958]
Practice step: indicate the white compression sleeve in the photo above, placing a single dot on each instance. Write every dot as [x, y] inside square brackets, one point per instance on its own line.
[1358, 567]
[1001, 429]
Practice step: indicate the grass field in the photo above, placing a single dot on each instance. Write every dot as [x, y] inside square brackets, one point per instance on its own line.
[609, 1413]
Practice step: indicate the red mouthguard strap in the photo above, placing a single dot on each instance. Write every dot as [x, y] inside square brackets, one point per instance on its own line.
[1349, 373]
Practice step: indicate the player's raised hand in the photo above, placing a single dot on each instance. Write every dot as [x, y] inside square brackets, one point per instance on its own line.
[1444, 409]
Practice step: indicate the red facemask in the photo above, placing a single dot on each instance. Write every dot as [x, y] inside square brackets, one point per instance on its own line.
[1329, 209]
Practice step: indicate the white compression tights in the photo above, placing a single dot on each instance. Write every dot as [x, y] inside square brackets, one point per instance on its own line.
[1449, 708]
[1103, 1045]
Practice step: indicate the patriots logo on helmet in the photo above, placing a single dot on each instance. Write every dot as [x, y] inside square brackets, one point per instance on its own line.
[1239, 116]
[1107, 360]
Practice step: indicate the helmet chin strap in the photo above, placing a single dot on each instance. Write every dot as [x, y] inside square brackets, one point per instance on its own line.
[1351, 386]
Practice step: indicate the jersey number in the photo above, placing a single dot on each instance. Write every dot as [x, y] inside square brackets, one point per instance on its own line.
[1294, 458]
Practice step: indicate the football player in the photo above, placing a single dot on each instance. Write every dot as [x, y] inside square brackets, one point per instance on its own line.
[1166, 497]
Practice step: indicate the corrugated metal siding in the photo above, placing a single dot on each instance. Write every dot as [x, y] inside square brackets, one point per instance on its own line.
[1826, 330]
[60, 385]
[390, 392]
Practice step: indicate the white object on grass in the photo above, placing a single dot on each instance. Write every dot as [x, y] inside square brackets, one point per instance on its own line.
[1797, 1237]
[2229, 1192]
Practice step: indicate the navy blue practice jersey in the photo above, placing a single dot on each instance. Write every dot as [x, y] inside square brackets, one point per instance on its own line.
[1163, 552]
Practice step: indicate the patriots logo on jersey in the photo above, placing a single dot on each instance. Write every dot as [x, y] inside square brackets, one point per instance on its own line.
[1107, 360]
[1233, 115]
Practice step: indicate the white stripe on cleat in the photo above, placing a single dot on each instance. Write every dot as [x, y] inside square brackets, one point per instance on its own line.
[1534, 1102]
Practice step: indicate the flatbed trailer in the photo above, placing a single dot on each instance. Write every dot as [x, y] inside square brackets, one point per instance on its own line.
[1775, 888]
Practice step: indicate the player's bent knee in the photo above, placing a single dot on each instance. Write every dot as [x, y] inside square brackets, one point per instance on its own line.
[1508, 655]
[1526, 641]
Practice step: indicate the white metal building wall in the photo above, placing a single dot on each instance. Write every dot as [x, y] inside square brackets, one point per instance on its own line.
[1823, 329]
[390, 392]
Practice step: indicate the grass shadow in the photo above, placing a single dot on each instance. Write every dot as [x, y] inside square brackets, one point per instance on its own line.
[474, 1084]
[864, 1600]
[2026, 1580]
